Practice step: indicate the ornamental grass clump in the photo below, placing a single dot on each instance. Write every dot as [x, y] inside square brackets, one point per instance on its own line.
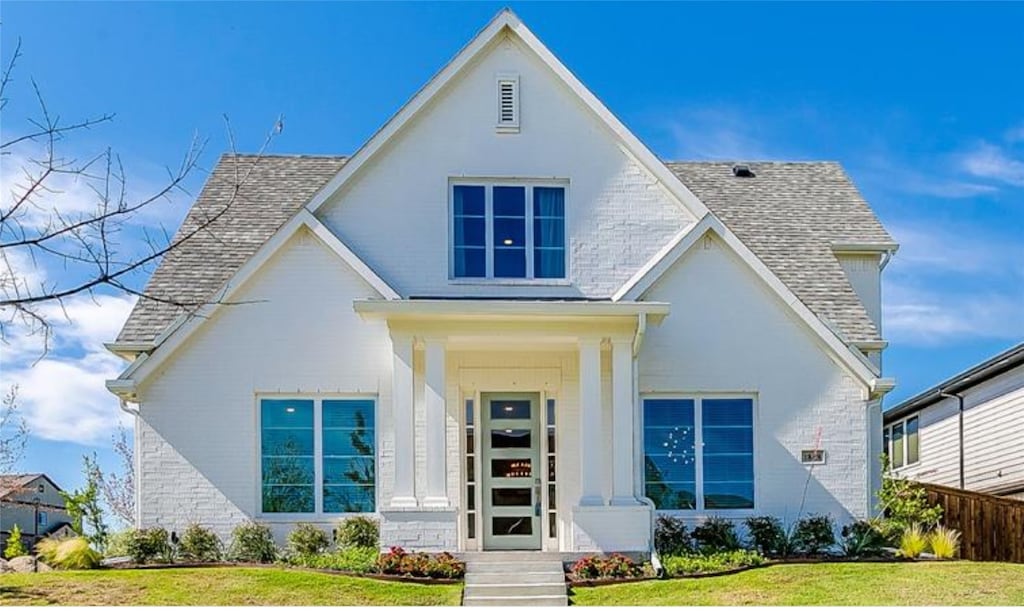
[69, 554]
[913, 542]
[944, 542]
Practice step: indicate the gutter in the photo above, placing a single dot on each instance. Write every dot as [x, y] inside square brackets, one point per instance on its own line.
[960, 429]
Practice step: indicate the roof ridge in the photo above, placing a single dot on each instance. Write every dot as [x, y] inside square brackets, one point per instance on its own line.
[758, 161]
[285, 155]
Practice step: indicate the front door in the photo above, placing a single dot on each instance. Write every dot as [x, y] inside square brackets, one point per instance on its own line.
[511, 470]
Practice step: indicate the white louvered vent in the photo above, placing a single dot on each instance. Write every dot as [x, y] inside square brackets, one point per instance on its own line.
[508, 103]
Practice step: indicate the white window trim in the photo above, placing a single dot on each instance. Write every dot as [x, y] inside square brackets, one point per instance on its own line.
[507, 127]
[698, 421]
[906, 444]
[488, 184]
[318, 457]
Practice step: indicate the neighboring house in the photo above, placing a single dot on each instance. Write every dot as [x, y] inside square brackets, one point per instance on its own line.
[966, 432]
[32, 502]
[503, 323]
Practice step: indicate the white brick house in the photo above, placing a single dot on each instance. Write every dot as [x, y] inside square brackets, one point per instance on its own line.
[504, 323]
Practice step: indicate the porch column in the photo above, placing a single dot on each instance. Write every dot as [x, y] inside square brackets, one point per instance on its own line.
[622, 422]
[402, 409]
[590, 422]
[434, 403]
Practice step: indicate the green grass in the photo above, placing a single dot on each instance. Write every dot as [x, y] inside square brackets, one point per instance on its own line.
[215, 586]
[885, 584]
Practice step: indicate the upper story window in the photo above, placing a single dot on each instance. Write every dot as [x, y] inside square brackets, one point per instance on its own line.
[901, 441]
[508, 230]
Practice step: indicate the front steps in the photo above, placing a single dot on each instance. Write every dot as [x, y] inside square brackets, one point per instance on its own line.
[514, 579]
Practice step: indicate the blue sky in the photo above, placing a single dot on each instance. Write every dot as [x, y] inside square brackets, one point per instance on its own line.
[918, 101]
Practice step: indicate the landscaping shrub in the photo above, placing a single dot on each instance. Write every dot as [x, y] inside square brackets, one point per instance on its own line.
[68, 554]
[352, 559]
[117, 544]
[252, 542]
[307, 540]
[904, 503]
[913, 542]
[15, 547]
[695, 564]
[716, 535]
[813, 535]
[767, 535]
[357, 532]
[944, 542]
[671, 537]
[614, 566]
[148, 544]
[199, 544]
[399, 562]
[862, 538]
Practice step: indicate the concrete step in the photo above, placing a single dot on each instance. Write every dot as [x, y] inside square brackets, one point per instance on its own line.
[506, 590]
[513, 568]
[515, 578]
[516, 601]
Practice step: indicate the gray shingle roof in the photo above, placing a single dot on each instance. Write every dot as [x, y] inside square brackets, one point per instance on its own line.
[788, 216]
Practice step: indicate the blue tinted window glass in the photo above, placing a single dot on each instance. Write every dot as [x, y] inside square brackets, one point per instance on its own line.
[517, 410]
[348, 413]
[470, 262]
[510, 201]
[286, 449]
[470, 231]
[728, 452]
[728, 412]
[668, 412]
[349, 475]
[468, 200]
[509, 232]
[549, 232]
[349, 499]
[549, 202]
[733, 495]
[509, 262]
[549, 262]
[669, 453]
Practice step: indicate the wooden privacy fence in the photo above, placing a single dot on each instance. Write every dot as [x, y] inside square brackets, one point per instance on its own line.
[991, 527]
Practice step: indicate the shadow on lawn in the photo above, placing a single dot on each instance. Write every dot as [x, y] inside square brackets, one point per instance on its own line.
[24, 595]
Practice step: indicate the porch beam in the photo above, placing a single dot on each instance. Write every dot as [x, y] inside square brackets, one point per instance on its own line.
[590, 421]
[402, 410]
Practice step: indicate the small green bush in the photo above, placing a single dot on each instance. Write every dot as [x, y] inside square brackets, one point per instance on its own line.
[944, 542]
[913, 542]
[813, 535]
[716, 535]
[766, 535]
[353, 559]
[68, 554]
[148, 544]
[671, 537]
[696, 564]
[904, 503]
[15, 547]
[307, 540]
[117, 544]
[358, 531]
[252, 542]
[862, 538]
[199, 544]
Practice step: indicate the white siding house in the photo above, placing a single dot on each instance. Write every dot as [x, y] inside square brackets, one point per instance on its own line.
[504, 323]
[966, 432]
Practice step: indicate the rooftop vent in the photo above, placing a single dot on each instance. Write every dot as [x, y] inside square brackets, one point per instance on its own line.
[742, 171]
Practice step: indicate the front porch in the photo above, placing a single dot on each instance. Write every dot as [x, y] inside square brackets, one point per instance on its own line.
[515, 426]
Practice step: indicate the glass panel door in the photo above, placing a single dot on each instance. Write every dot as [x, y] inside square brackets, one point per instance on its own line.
[511, 478]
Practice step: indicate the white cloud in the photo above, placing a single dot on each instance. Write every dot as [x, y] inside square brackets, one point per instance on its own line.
[63, 396]
[721, 134]
[991, 162]
[930, 318]
[1015, 134]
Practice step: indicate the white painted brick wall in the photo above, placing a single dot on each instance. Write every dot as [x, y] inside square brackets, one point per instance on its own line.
[429, 531]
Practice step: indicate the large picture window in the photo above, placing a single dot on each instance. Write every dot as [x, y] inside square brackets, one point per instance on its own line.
[699, 452]
[508, 231]
[317, 455]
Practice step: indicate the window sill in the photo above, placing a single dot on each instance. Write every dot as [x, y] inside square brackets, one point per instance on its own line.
[510, 281]
[288, 518]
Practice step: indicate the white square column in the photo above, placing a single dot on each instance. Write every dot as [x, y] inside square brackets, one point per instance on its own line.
[590, 422]
[402, 411]
[435, 427]
[623, 422]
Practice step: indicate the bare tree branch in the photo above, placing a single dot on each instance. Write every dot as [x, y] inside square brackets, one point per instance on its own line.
[13, 432]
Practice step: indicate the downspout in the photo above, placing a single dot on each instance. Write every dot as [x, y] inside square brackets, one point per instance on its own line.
[638, 340]
[886, 257]
[134, 411]
[960, 425]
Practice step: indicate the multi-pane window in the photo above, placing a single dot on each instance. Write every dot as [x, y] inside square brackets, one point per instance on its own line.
[699, 452]
[552, 491]
[317, 455]
[508, 231]
[902, 442]
[471, 443]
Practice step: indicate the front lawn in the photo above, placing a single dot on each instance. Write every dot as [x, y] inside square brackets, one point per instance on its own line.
[882, 584]
[215, 586]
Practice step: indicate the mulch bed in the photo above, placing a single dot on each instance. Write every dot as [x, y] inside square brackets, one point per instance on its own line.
[254, 565]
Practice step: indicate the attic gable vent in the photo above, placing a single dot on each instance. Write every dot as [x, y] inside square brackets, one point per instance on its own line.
[508, 103]
[742, 171]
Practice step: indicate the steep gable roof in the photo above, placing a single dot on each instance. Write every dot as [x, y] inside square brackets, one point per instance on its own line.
[791, 214]
[788, 216]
